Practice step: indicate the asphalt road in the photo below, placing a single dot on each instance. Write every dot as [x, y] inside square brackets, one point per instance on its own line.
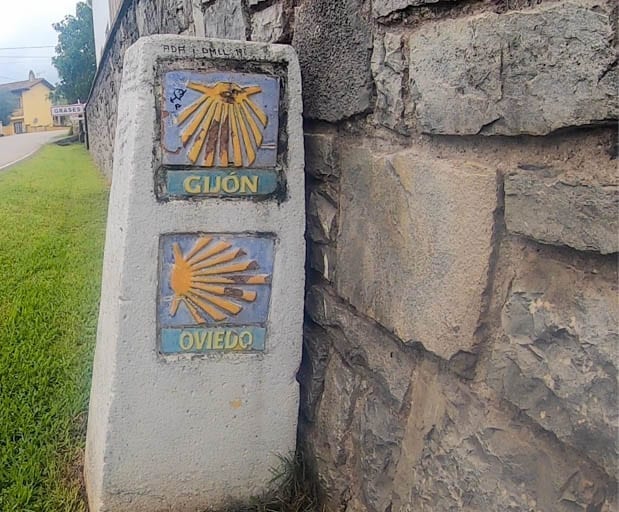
[15, 147]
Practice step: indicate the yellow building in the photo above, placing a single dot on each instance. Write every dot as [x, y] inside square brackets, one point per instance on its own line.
[34, 108]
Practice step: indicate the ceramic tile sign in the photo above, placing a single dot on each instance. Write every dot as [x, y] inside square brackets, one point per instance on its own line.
[224, 126]
[214, 292]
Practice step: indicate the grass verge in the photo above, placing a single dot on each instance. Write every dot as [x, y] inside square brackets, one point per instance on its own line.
[52, 222]
[294, 489]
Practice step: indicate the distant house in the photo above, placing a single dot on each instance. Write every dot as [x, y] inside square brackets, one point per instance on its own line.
[33, 112]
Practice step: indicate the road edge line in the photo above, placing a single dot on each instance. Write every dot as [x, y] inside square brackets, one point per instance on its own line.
[21, 158]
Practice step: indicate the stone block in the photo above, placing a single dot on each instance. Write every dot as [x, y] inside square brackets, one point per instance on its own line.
[334, 43]
[360, 341]
[225, 19]
[322, 259]
[321, 156]
[382, 8]
[170, 16]
[444, 445]
[522, 72]
[546, 207]
[330, 190]
[328, 439]
[414, 244]
[268, 24]
[558, 360]
[311, 376]
[388, 66]
[355, 430]
[460, 452]
[321, 219]
[378, 435]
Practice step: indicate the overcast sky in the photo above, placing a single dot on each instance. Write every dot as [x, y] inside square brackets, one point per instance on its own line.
[29, 23]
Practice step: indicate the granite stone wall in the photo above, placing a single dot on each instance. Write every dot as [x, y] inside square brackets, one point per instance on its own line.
[463, 219]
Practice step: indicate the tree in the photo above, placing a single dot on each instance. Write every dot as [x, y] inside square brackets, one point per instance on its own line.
[8, 103]
[75, 53]
[56, 97]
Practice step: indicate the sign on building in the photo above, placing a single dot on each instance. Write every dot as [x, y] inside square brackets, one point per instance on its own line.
[194, 393]
[68, 110]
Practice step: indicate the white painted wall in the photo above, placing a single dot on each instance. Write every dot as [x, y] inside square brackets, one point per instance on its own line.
[101, 21]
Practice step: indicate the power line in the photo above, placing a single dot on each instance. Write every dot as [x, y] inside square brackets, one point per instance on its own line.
[24, 47]
[26, 56]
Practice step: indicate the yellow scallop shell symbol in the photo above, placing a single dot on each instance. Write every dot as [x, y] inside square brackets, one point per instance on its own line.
[224, 124]
[204, 280]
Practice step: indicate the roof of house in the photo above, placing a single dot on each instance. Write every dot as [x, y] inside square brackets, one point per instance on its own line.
[25, 85]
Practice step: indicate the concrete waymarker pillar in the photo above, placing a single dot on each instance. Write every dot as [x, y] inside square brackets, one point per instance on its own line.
[194, 391]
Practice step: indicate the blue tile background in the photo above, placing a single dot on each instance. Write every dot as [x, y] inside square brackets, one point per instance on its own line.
[267, 100]
[258, 248]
